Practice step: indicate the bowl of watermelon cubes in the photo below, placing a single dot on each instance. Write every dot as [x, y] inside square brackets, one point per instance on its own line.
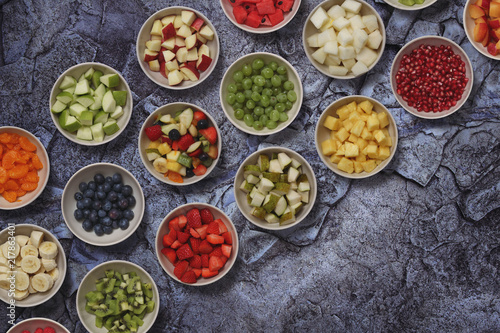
[260, 16]
[91, 104]
[38, 325]
[180, 144]
[197, 244]
[177, 47]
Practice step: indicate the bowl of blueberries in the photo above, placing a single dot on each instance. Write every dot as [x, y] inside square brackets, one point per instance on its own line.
[102, 204]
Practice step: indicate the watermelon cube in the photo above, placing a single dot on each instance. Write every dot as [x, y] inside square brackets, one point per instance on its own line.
[265, 21]
[235, 3]
[240, 14]
[276, 17]
[284, 5]
[253, 19]
[250, 7]
[266, 7]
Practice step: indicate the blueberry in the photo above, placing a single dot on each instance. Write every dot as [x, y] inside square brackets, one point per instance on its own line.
[78, 196]
[174, 135]
[115, 205]
[112, 196]
[80, 205]
[92, 185]
[120, 196]
[98, 230]
[87, 225]
[202, 124]
[107, 187]
[114, 225]
[203, 156]
[107, 206]
[117, 188]
[131, 201]
[82, 186]
[93, 217]
[101, 213]
[127, 190]
[123, 224]
[87, 202]
[88, 193]
[128, 214]
[114, 214]
[107, 230]
[78, 214]
[99, 178]
[189, 173]
[86, 213]
[106, 221]
[96, 205]
[123, 204]
[101, 194]
[108, 180]
[117, 178]
[100, 187]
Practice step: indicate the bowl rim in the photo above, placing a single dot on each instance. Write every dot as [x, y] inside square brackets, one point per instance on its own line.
[307, 207]
[263, 30]
[62, 272]
[14, 328]
[138, 196]
[409, 8]
[314, 62]
[143, 30]
[328, 111]
[230, 262]
[142, 137]
[246, 129]
[412, 45]
[107, 138]
[121, 263]
[466, 23]
[44, 153]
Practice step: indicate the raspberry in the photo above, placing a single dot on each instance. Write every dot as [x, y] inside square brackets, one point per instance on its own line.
[49, 329]
[154, 132]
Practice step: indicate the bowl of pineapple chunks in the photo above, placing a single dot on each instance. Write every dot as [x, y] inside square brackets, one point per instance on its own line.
[356, 137]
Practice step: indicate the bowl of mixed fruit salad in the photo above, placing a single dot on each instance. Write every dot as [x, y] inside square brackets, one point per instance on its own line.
[180, 144]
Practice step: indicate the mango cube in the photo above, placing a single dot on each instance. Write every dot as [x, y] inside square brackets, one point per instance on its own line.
[358, 168]
[372, 151]
[346, 165]
[342, 134]
[154, 144]
[335, 159]
[357, 128]
[343, 112]
[332, 123]
[366, 134]
[383, 153]
[328, 147]
[361, 143]
[383, 119]
[174, 166]
[366, 106]
[369, 165]
[373, 123]
[351, 150]
[379, 136]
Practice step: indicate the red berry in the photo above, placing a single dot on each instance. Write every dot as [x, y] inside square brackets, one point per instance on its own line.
[195, 261]
[204, 260]
[213, 228]
[38, 330]
[200, 170]
[215, 263]
[182, 237]
[184, 252]
[215, 239]
[194, 218]
[205, 247]
[226, 250]
[170, 254]
[189, 277]
[207, 273]
[49, 330]
[181, 268]
[195, 244]
[206, 216]
[222, 226]
[154, 132]
[185, 141]
[216, 252]
[210, 134]
[202, 231]
[227, 238]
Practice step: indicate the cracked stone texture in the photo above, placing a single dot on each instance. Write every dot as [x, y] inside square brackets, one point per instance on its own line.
[413, 249]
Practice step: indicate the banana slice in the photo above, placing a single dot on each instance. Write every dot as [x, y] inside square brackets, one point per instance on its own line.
[30, 264]
[19, 259]
[54, 274]
[22, 240]
[4, 283]
[41, 270]
[1, 252]
[36, 238]
[8, 254]
[42, 282]
[22, 281]
[29, 250]
[30, 287]
[3, 270]
[4, 262]
[48, 250]
[20, 295]
[49, 264]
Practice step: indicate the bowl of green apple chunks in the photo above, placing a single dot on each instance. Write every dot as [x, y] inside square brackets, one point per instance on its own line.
[91, 104]
[117, 296]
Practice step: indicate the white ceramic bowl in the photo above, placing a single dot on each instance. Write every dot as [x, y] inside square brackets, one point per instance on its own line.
[37, 298]
[163, 229]
[33, 323]
[88, 284]
[43, 173]
[293, 76]
[241, 197]
[469, 31]
[68, 204]
[287, 17]
[310, 29]
[322, 133]
[144, 35]
[398, 5]
[144, 141]
[435, 41]
[76, 71]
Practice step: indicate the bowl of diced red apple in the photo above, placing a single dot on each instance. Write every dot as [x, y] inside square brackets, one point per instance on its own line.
[196, 244]
[260, 17]
[482, 26]
[344, 39]
[180, 144]
[177, 47]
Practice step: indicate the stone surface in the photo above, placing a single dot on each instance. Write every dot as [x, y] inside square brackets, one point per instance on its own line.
[412, 249]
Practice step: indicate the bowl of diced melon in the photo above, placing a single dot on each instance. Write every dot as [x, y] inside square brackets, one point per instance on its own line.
[344, 39]
[356, 137]
[91, 104]
[410, 4]
[177, 47]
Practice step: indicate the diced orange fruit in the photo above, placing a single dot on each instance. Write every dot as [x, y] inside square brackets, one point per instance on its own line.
[11, 185]
[10, 196]
[28, 186]
[174, 176]
[18, 171]
[26, 144]
[10, 158]
[36, 162]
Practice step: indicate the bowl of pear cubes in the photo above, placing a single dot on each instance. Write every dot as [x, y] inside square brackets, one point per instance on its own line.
[356, 137]
[410, 4]
[344, 39]
[117, 296]
[91, 104]
[275, 188]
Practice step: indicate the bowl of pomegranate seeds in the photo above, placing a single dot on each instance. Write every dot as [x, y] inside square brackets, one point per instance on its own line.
[431, 77]
[482, 26]
[38, 325]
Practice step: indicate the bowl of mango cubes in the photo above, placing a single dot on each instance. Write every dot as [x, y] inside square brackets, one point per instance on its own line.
[356, 137]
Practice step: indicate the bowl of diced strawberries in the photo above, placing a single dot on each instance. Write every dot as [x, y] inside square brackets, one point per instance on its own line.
[24, 167]
[197, 244]
[180, 144]
[260, 16]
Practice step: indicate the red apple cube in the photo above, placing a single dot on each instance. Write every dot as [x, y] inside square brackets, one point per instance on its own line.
[150, 55]
[192, 73]
[197, 24]
[154, 65]
[203, 63]
[168, 31]
[492, 49]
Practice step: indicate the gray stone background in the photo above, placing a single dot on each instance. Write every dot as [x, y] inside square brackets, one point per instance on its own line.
[413, 249]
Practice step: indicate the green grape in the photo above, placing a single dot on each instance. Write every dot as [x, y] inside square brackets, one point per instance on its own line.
[280, 107]
[248, 119]
[275, 115]
[247, 70]
[273, 65]
[267, 73]
[259, 110]
[255, 117]
[240, 98]
[265, 100]
[268, 111]
[283, 78]
[288, 85]
[283, 116]
[288, 105]
[247, 110]
[259, 80]
[246, 83]
[232, 88]
[238, 76]
[257, 63]
[239, 86]
[255, 96]
[247, 94]
[250, 104]
[263, 119]
[257, 89]
[267, 92]
[237, 105]
[291, 95]
[281, 70]
[273, 101]
[271, 124]
[257, 125]
[231, 98]
[276, 81]
[281, 98]
[268, 83]
[277, 91]
[239, 114]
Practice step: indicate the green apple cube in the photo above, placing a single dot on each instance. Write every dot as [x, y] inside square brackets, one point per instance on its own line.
[108, 102]
[97, 105]
[120, 97]
[63, 117]
[67, 82]
[89, 73]
[81, 78]
[58, 107]
[96, 78]
[71, 124]
[85, 100]
[71, 90]
[110, 80]
[82, 87]
[86, 118]
[100, 90]
[76, 109]
[117, 113]
[101, 117]
[84, 133]
[97, 132]
[111, 127]
[65, 97]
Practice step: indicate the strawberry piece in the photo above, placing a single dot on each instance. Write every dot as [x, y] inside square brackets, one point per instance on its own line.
[194, 218]
[215, 263]
[175, 145]
[197, 271]
[198, 115]
[185, 141]
[169, 238]
[216, 252]
[204, 260]
[205, 247]
[213, 228]
[175, 245]
[224, 260]
[222, 226]
[195, 261]
[195, 153]
[194, 233]
[38, 330]
[166, 139]
[207, 273]
[228, 239]
[170, 254]
[174, 224]
[206, 216]
[200, 170]
[215, 239]
[25, 331]
[189, 277]
[182, 237]
[182, 221]
[195, 244]
[154, 132]
[202, 231]
[226, 250]
[184, 252]
[210, 134]
[181, 268]
[49, 330]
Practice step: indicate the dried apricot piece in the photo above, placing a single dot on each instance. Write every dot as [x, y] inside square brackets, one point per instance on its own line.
[28, 186]
[5, 137]
[18, 171]
[11, 185]
[3, 175]
[36, 162]
[10, 158]
[20, 192]
[26, 144]
[10, 196]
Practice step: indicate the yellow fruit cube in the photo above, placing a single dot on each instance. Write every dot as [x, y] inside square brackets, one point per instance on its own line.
[369, 165]
[358, 168]
[361, 158]
[366, 106]
[348, 123]
[383, 153]
[333, 135]
[379, 136]
[154, 144]
[372, 151]
[360, 110]
[383, 119]
[164, 148]
[352, 106]
[342, 134]
[328, 147]
[332, 123]
[343, 112]
[335, 158]
[364, 117]
[354, 116]
[352, 138]
[351, 150]
[357, 128]
[361, 143]
[366, 134]
[373, 123]
[346, 165]
[173, 166]
[339, 144]
[340, 151]
[387, 142]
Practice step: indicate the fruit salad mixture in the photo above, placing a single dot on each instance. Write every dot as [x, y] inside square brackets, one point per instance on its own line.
[104, 204]
[47, 329]
[178, 47]
[260, 13]
[347, 42]
[19, 165]
[261, 94]
[486, 15]
[36, 265]
[120, 301]
[183, 145]
[197, 245]
[90, 106]
[276, 188]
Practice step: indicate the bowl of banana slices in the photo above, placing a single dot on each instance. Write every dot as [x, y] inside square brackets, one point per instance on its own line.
[32, 265]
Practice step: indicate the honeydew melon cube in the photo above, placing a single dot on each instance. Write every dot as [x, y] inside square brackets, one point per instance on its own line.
[76, 109]
[97, 132]
[331, 47]
[265, 185]
[360, 38]
[58, 107]
[284, 160]
[367, 56]
[332, 60]
[82, 87]
[357, 22]
[84, 133]
[319, 55]
[359, 68]
[292, 174]
[327, 25]
[348, 63]
[108, 102]
[336, 11]
[346, 52]
[271, 218]
[319, 18]
[293, 197]
[326, 36]
[304, 195]
[374, 40]
[67, 82]
[338, 70]
[351, 6]
[312, 40]
[340, 23]
[370, 22]
[257, 199]
[117, 113]
[349, 15]
[344, 37]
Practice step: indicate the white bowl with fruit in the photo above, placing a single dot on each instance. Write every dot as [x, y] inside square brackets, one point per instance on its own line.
[482, 26]
[276, 95]
[356, 137]
[275, 188]
[266, 17]
[344, 39]
[441, 86]
[91, 104]
[32, 324]
[177, 47]
[180, 144]
[136, 300]
[39, 260]
[410, 4]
